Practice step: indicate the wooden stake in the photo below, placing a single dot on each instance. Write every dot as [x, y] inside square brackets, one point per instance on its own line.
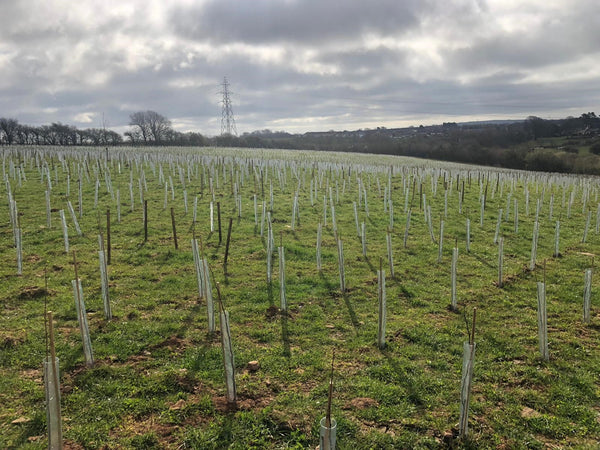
[472, 337]
[219, 220]
[145, 220]
[228, 239]
[108, 236]
[174, 229]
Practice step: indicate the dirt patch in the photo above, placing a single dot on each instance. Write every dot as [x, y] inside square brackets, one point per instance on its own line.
[21, 420]
[165, 434]
[361, 403]
[350, 367]
[179, 404]
[8, 342]
[372, 282]
[305, 386]
[271, 312]
[223, 406]
[336, 293]
[528, 413]
[67, 331]
[29, 292]
[172, 343]
[33, 374]
[285, 421]
[245, 402]
[33, 258]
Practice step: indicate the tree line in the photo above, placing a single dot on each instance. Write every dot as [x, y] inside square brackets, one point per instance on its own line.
[147, 128]
[14, 133]
[570, 145]
[518, 144]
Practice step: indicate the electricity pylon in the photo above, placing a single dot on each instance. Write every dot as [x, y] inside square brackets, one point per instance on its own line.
[227, 119]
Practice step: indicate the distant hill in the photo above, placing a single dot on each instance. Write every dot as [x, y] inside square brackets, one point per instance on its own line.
[492, 122]
[559, 145]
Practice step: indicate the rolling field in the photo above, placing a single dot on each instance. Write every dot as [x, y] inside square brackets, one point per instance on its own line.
[158, 377]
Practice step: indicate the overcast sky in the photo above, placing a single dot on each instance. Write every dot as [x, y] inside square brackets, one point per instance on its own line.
[297, 65]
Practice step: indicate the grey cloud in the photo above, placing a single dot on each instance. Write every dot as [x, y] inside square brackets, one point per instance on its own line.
[514, 51]
[268, 21]
[367, 62]
[50, 71]
[556, 40]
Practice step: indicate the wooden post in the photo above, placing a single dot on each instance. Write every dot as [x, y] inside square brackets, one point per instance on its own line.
[174, 229]
[219, 220]
[587, 292]
[228, 238]
[145, 220]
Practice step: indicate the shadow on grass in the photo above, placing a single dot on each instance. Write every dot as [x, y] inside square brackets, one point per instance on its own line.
[481, 260]
[270, 294]
[371, 267]
[334, 292]
[414, 394]
[225, 275]
[351, 311]
[285, 335]
[35, 427]
[193, 313]
[326, 282]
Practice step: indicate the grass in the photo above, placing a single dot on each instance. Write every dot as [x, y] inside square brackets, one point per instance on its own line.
[158, 381]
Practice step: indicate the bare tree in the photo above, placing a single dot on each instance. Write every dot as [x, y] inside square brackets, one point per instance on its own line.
[159, 125]
[134, 136]
[10, 129]
[140, 126]
[150, 125]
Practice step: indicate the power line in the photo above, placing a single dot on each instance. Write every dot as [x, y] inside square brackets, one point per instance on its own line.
[227, 119]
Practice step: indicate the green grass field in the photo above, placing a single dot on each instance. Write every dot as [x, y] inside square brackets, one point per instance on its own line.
[158, 379]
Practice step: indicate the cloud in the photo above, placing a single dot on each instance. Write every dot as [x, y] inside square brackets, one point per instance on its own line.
[85, 117]
[297, 64]
[298, 22]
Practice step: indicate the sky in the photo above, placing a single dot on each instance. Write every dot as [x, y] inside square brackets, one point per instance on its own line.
[297, 65]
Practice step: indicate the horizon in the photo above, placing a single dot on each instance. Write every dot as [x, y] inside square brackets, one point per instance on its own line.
[123, 128]
[298, 66]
